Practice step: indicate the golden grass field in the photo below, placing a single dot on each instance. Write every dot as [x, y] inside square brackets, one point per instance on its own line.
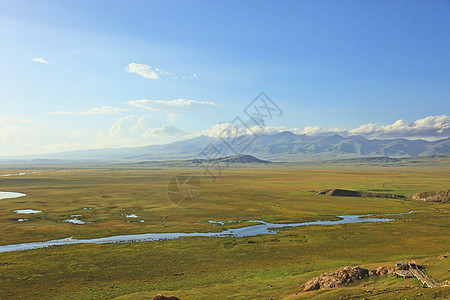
[259, 267]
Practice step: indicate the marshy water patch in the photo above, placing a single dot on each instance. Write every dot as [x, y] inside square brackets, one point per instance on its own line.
[75, 221]
[216, 222]
[251, 230]
[7, 195]
[18, 174]
[131, 216]
[27, 211]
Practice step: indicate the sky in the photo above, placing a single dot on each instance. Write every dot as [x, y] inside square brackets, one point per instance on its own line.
[105, 74]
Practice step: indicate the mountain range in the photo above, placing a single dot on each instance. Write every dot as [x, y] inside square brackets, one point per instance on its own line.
[284, 146]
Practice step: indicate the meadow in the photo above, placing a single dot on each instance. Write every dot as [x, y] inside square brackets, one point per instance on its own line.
[259, 267]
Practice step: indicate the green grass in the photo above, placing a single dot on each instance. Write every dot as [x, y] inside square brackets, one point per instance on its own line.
[218, 268]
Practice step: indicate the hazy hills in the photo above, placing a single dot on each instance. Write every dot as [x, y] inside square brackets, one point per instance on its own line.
[234, 159]
[284, 146]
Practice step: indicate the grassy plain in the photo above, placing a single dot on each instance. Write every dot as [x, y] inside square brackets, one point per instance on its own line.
[219, 268]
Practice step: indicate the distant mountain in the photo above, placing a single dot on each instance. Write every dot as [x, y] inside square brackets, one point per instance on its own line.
[239, 161]
[284, 146]
[235, 159]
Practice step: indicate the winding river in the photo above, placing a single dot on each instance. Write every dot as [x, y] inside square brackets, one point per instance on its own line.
[251, 230]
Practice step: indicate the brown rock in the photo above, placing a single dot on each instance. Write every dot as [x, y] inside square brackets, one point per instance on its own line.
[161, 297]
[383, 271]
[342, 277]
[433, 196]
[335, 279]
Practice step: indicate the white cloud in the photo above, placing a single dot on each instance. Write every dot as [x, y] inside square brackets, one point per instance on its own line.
[20, 136]
[149, 72]
[39, 60]
[310, 130]
[122, 125]
[141, 124]
[142, 70]
[171, 117]
[104, 110]
[125, 132]
[429, 128]
[172, 106]
[134, 130]
[217, 130]
[166, 131]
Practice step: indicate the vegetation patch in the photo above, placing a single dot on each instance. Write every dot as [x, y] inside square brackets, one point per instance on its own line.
[259, 267]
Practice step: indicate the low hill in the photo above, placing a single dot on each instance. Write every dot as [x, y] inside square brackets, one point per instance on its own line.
[350, 193]
[228, 161]
[239, 159]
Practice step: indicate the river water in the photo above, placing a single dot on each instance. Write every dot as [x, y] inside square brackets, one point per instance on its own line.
[251, 230]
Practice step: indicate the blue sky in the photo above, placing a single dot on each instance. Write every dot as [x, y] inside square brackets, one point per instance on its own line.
[94, 74]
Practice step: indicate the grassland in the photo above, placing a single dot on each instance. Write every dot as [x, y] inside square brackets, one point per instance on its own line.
[218, 268]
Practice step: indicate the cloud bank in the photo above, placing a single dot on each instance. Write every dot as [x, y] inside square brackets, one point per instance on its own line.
[104, 110]
[428, 128]
[172, 106]
[166, 131]
[22, 136]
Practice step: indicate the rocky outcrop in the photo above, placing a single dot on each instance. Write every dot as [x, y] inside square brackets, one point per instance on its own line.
[383, 271]
[161, 297]
[350, 193]
[433, 196]
[339, 192]
[342, 277]
[442, 257]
